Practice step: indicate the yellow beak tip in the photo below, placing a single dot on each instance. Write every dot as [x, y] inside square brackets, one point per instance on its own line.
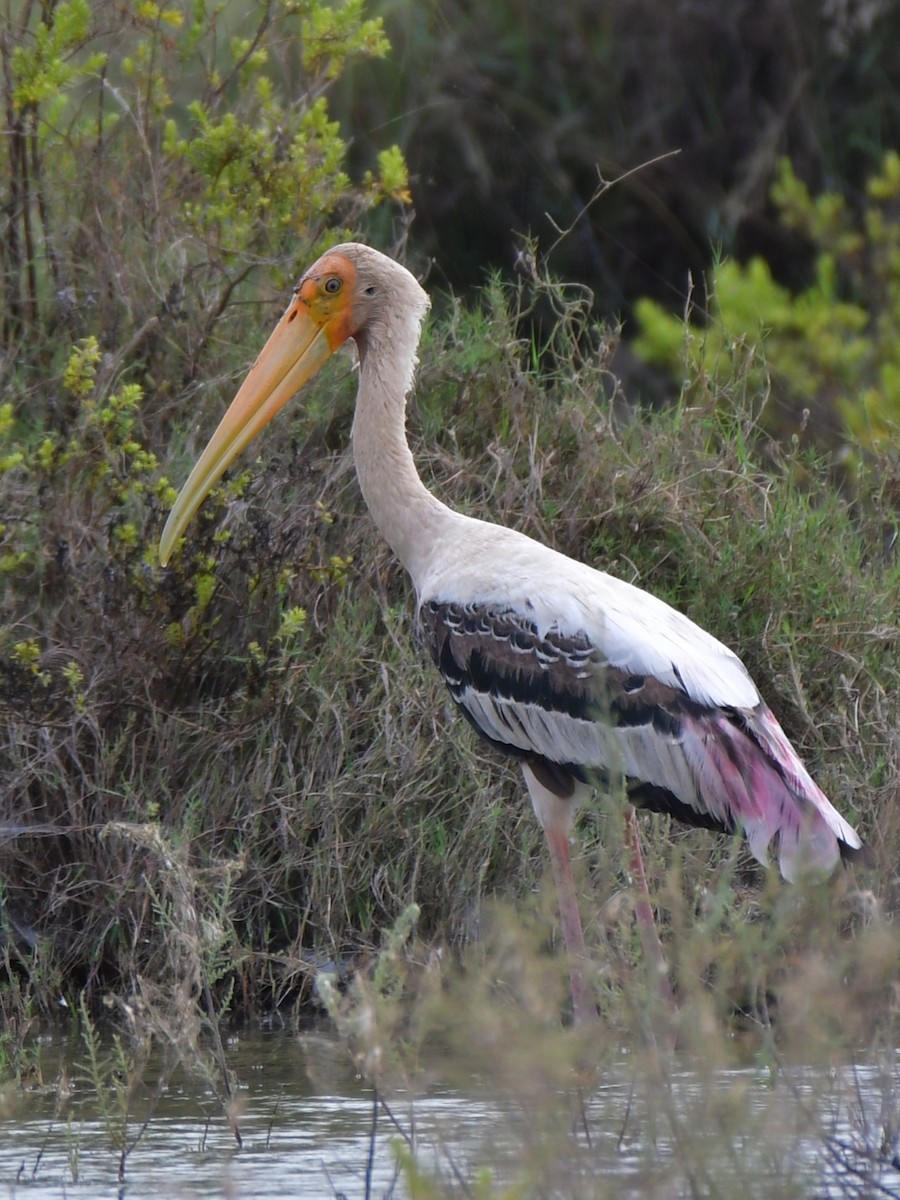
[297, 348]
[166, 548]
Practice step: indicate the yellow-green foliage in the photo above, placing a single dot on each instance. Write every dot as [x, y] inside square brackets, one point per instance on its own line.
[149, 197]
[43, 67]
[81, 369]
[831, 347]
[172, 164]
[207, 125]
[272, 166]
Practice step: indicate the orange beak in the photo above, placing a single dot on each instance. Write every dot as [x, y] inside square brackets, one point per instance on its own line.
[300, 343]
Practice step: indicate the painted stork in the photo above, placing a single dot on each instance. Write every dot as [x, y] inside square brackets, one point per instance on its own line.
[584, 678]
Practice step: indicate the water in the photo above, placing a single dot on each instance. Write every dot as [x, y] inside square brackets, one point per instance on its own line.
[306, 1121]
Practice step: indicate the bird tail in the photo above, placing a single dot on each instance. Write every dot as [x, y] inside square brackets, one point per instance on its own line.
[787, 805]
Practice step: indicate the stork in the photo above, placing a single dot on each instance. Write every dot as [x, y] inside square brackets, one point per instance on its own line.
[584, 678]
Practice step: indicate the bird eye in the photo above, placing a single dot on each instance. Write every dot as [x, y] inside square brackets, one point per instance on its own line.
[371, 290]
[333, 285]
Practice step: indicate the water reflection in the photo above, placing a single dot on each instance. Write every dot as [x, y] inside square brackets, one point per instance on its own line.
[305, 1130]
[306, 1122]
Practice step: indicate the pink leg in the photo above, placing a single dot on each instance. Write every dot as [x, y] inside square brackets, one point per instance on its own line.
[643, 911]
[583, 1007]
[556, 814]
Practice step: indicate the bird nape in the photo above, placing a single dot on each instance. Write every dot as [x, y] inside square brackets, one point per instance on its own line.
[583, 677]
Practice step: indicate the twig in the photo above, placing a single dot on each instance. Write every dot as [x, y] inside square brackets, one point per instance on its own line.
[410, 1141]
[370, 1161]
[219, 1049]
[601, 189]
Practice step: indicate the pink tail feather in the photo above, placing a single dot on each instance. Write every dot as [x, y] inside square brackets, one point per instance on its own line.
[751, 778]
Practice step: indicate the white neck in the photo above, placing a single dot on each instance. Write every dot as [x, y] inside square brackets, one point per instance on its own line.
[409, 517]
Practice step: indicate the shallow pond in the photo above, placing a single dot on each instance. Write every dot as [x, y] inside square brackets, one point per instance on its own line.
[306, 1120]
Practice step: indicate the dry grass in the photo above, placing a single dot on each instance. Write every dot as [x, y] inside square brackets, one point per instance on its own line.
[319, 767]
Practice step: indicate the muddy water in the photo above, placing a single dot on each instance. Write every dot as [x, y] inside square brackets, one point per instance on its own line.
[306, 1121]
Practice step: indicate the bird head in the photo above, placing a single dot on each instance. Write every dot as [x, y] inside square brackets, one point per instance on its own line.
[339, 297]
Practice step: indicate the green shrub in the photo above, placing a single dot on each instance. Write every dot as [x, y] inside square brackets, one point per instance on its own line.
[166, 170]
[829, 351]
[161, 160]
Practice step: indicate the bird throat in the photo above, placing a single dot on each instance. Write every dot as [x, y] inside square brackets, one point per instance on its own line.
[407, 514]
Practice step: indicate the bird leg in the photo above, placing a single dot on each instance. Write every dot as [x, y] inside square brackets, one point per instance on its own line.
[643, 911]
[556, 814]
[570, 919]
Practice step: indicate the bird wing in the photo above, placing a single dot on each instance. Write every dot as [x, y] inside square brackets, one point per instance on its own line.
[558, 696]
